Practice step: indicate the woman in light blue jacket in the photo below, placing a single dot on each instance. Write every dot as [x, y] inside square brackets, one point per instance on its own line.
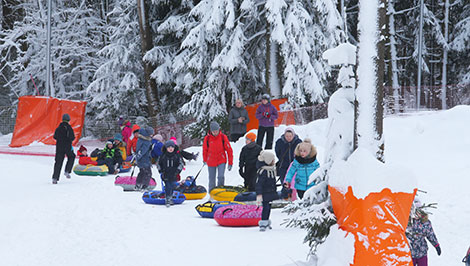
[304, 164]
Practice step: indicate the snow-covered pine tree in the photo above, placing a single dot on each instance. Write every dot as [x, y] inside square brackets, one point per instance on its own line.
[117, 86]
[171, 25]
[75, 40]
[460, 41]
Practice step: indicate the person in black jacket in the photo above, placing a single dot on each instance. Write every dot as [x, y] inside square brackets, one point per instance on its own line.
[111, 157]
[248, 159]
[64, 136]
[285, 147]
[169, 165]
[266, 187]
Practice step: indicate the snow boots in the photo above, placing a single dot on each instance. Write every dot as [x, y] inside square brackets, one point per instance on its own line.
[264, 224]
[67, 175]
[168, 201]
[54, 181]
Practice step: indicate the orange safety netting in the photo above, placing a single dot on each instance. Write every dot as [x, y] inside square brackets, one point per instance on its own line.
[285, 117]
[378, 223]
[38, 117]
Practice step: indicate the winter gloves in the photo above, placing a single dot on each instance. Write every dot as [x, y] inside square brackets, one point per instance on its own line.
[438, 249]
[229, 167]
[267, 114]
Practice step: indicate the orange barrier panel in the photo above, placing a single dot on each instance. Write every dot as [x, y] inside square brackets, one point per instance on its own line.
[378, 223]
[38, 117]
[285, 117]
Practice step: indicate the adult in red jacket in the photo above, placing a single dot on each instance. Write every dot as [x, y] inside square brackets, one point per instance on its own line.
[216, 150]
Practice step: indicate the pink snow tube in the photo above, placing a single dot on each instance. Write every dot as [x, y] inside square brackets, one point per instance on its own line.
[128, 183]
[238, 215]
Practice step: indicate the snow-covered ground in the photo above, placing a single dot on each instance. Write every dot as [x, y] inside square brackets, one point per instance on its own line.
[89, 221]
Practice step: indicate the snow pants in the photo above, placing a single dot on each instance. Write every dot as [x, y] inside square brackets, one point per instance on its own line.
[269, 131]
[59, 160]
[109, 163]
[143, 178]
[220, 169]
[266, 210]
[423, 261]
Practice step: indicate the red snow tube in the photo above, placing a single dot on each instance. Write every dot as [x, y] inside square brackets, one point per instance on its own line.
[238, 215]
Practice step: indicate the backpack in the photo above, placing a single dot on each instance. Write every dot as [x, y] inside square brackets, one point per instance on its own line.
[95, 153]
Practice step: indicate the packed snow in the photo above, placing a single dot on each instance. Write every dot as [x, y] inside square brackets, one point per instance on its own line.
[89, 221]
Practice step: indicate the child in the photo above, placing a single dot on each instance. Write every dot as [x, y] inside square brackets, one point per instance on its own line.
[143, 159]
[419, 228]
[157, 145]
[126, 132]
[121, 145]
[83, 157]
[266, 187]
[304, 164]
[111, 156]
[248, 158]
[132, 143]
[169, 165]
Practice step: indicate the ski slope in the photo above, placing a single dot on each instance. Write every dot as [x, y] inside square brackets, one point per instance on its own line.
[89, 221]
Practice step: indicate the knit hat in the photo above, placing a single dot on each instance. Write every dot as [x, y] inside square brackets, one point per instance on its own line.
[169, 143]
[214, 126]
[174, 140]
[289, 129]
[266, 97]
[158, 137]
[109, 142]
[82, 148]
[118, 136]
[251, 136]
[266, 157]
[66, 117]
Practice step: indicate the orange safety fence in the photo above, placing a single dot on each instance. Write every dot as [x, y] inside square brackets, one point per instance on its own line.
[285, 117]
[38, 117]
[378, 223]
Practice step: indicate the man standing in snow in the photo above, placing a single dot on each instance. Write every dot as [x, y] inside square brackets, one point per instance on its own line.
[266, 114]
[64, 136]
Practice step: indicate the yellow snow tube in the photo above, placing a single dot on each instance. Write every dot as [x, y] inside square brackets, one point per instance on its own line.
[90, 169]
[225, 193]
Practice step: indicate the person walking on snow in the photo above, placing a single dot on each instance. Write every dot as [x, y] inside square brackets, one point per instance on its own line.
[132, 143]
[216, 150]
[64, 136]
[266, 114]
[143, 159]
[248, 159]
[304, 164]
[266, 187]
[285, 147]
[419, 229]
[170, 164]
[238, 119]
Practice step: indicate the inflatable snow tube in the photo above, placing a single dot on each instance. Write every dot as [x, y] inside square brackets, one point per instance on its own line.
[128, 183]
[158, 197]
[125, 167]
[238, 215]
[250, 198]
[207, 209]
[193, 193]
[225, 193]
[90, 169]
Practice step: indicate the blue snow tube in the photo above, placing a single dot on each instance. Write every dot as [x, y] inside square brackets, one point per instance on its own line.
[158, 197]
[246, 196]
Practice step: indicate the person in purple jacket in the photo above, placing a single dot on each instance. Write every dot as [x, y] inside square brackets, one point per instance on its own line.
[419, 229]
[266, 115]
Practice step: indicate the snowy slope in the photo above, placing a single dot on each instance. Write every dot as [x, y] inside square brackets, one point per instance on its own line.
[88, 221]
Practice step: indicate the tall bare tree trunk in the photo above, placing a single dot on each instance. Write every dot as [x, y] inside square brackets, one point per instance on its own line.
[147, 44]
[273, 65]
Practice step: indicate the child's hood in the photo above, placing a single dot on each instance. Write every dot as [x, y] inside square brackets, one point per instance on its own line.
[305, 144]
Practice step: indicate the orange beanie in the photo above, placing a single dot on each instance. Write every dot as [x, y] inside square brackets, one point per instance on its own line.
[251, 136]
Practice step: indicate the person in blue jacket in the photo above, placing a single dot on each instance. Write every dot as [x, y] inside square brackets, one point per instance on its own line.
[157, 145]
[285, 147]
[170, 164]
[304, 164]
[143, 159]
[266, 187]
